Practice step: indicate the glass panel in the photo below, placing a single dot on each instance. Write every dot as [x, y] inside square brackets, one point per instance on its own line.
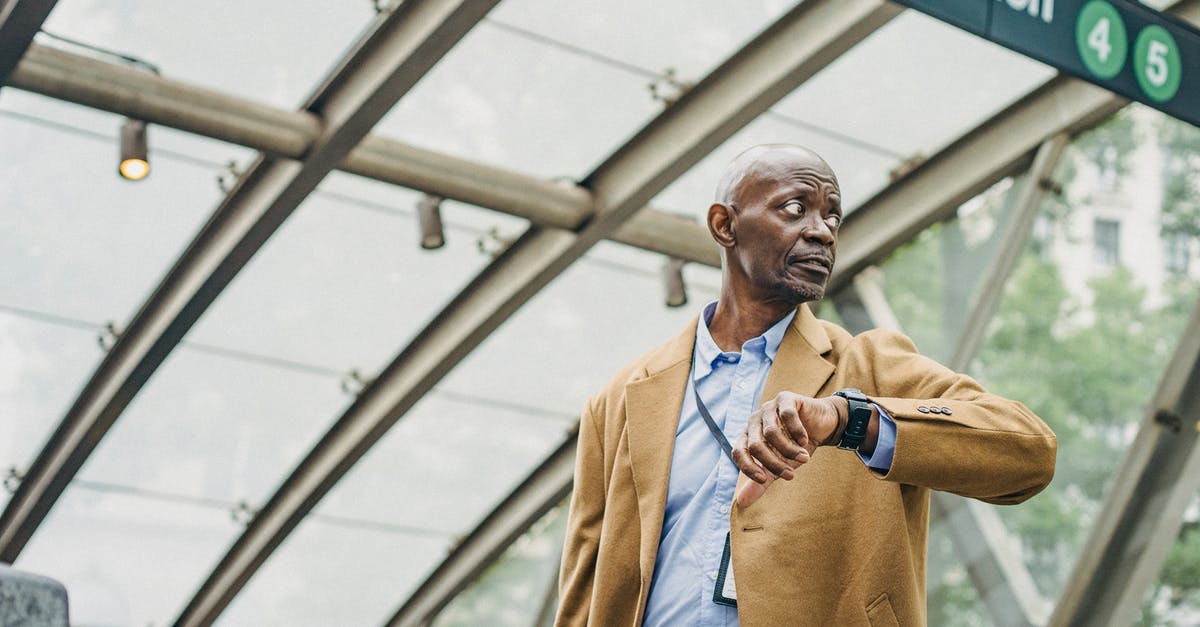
[225, 46]
[43, 360]
[861, 172]
[217, 425]
[127, 557]
[1085, 345]
[344, 284]
[208, 432]
[329, 573]
[517, 587]
[928, 83]
[568, 61]
[688, 36]
[932, 282]
[89, 245]
[549, 123]
[447, 463]
[615, 294]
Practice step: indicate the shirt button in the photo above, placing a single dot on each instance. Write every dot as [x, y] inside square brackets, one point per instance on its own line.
[712, 575]
[724, 509]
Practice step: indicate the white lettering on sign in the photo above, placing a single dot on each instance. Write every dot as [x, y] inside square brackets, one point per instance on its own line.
[1036, 8]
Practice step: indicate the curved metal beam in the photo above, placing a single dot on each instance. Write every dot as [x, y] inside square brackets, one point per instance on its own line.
[546, 486]
[20, 21]
[1157, 478]
[1001, 146]
[388, 61]
[768, 68]
[166, 102]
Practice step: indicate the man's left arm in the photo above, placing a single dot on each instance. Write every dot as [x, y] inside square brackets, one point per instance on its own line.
[951, 434]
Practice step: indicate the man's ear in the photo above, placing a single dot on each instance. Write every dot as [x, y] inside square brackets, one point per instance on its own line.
[720, 224]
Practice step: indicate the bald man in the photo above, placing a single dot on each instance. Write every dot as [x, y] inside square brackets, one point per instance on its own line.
[764, 442]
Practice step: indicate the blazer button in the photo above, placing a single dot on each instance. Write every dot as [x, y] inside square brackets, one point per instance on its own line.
[923, 409]
[946, 410]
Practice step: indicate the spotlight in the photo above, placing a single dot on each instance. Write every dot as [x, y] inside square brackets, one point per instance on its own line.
[429, 212]
[672, 273]
[134, 164]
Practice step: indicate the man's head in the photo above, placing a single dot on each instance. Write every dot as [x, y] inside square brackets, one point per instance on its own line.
[776, 217]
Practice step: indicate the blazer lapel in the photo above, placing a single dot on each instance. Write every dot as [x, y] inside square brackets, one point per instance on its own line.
[799, 365]
[652, 415]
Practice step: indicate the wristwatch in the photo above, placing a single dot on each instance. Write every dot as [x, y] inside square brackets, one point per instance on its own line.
[859, 417]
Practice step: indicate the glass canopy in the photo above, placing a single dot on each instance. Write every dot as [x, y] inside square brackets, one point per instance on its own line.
[534, 92]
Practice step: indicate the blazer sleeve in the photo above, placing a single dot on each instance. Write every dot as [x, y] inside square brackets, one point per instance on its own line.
[584, 520]
[951, 434]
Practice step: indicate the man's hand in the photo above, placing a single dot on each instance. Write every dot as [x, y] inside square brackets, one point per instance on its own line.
[783, 435]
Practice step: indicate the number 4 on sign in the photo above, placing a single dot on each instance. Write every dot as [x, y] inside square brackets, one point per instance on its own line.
[1098, 39]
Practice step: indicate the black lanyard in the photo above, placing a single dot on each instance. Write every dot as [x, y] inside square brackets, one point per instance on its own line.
[717, 434]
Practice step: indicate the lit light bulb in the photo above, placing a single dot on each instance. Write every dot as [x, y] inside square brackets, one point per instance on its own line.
[135, 169]
[135, 164]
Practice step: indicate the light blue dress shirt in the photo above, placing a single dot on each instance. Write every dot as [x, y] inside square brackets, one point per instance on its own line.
[703, 479]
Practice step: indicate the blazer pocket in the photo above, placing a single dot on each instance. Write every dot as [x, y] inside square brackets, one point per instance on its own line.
[880, 614]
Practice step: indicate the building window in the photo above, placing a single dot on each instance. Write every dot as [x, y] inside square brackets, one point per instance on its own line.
[1106, 235]
[1177, 253]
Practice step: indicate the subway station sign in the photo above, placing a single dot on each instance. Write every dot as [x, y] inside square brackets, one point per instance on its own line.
[1123, 46]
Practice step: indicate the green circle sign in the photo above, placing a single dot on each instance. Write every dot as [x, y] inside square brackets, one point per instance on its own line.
[1101, 39]
[1156, 63]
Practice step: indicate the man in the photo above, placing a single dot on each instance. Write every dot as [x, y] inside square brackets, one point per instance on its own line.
[656, 534]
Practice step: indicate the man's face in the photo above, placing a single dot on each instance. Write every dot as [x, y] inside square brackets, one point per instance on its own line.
[787, 210]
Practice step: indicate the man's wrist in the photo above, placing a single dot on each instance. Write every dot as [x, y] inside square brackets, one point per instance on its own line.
[843, 418]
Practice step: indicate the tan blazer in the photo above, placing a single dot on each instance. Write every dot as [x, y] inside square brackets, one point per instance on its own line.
[839, 544]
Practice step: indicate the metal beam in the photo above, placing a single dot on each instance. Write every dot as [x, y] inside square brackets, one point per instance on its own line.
[998, 147]
[20, 21]
[400, 47]
[789, 52]
[932, 192]
[1001, 579]
[545, 487]
[1012, 243]
[1142, 514]
[1001, 146]
[287, 134]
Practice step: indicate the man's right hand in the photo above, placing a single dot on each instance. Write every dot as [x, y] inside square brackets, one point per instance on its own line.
[782, 436]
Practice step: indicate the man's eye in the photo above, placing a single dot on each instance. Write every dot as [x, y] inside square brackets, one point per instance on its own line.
[833, 220]
[794, 207]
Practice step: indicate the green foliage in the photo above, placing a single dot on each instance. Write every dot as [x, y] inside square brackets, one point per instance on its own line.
[1088, 366]
[914, 274]
[1089, 373]
[512, 590]
[1181, 178]
[1182, 569]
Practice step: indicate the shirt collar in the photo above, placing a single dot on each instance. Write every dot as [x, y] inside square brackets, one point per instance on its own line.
[707, 352]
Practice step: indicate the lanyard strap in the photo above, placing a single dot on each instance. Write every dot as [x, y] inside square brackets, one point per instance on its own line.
[717, 434]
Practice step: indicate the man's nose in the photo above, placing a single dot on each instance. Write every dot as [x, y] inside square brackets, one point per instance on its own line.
[816, 230]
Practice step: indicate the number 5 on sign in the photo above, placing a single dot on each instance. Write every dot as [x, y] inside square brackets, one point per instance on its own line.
[1156, 63]
[1101, 39]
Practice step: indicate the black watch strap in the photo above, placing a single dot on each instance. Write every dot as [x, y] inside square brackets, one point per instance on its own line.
[859, 418]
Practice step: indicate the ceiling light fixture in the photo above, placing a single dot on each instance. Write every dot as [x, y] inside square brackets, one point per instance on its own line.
[135, 164]
[429, 213]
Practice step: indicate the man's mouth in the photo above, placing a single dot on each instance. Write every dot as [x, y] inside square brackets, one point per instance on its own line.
[816, 263]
